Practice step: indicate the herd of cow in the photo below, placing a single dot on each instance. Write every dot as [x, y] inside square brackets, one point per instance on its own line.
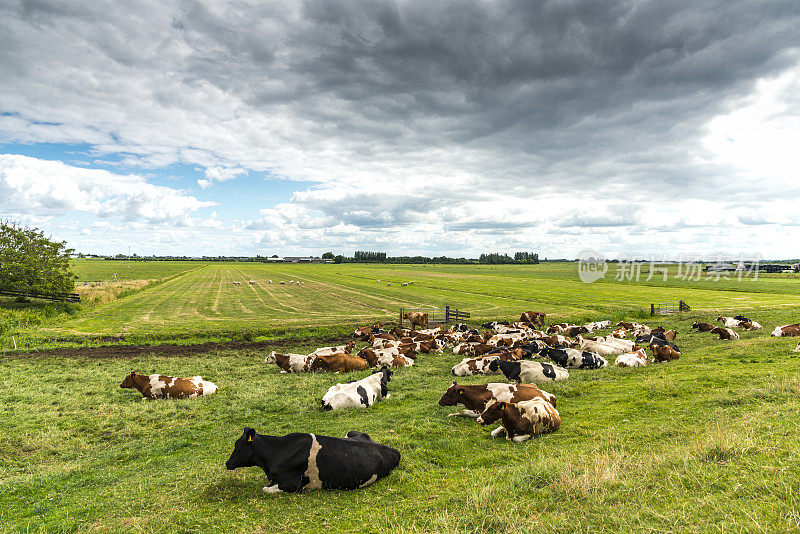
[524, 353]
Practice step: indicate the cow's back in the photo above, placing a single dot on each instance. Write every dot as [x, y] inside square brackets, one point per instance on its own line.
[353, 463]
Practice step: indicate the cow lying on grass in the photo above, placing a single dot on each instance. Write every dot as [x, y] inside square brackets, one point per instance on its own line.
[333, 350]
[359, 393]
[475, 398]
[340, 362]
[703, 327]
[168, 387]
[527, 372]
[521, 420]
[797, 349]
[724, 333]
[291, 363]
[532, 317]
[632, 359]
[474, 366]
[787, 330]
[574, 359]
[664, 353]
[388, 357]
[295, 462]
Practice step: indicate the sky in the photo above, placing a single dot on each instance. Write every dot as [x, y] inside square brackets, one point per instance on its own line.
[631, 128]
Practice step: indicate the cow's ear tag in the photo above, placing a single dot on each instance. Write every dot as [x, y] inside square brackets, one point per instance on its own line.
[460, 391]
[503, 406]
[249, 439]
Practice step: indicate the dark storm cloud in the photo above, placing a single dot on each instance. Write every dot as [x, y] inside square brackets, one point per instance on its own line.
[425, 109]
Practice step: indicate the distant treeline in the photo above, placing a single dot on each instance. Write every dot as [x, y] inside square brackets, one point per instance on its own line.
[494, 258]
[359, 256]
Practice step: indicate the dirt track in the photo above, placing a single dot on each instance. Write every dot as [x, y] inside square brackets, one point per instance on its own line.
[171, 349]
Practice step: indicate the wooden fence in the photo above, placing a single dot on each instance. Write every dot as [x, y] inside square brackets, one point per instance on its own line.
[436, 315]
[63, 297]
[665, 308]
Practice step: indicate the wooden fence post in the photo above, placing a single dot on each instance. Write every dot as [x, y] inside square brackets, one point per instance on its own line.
[652, 310]
[401, 317]
[447, 314]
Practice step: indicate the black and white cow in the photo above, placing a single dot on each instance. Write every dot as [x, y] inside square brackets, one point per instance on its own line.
[359, 393]
[528, 372]
[574, 359]
[299, 461]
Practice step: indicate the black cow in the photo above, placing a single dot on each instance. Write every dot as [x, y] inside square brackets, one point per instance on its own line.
[298, 461]
[742, 318]
[574, 359]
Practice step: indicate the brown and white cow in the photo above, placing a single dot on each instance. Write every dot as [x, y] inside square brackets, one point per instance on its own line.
[703, 327]
[384, 357]
[365, 332]
[521, 420]
[728, 322]
[797, 349]
[620, 333]
[787, 330]
[533, 317]
[291, 363]
[347, 349]
[750, 325]
[724, 333]
[340, 362]
[671, 335]
[664, 353]
[472, 349]
[474, 366]
[475, 398]
[168, 387]
[632, 359]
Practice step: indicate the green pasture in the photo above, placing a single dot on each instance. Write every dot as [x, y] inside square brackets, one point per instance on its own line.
[97, 270]
[204, 301]
[708, 443]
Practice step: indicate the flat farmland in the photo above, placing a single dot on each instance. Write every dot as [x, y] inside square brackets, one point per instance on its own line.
[104, 270]
[706, 443]
[205, 298]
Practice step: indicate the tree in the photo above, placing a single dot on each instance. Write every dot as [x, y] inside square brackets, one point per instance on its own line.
[338, 259]
[327, 256]
[31, 263]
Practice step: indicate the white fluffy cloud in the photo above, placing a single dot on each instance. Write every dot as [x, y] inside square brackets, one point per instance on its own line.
[39, 187]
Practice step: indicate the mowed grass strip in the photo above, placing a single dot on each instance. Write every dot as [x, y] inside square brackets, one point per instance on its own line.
[706, 443]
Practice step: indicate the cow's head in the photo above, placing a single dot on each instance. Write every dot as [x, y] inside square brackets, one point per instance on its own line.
[130, 381]
[243, 454]
[386, 375]
[491, 413]
[452, 396]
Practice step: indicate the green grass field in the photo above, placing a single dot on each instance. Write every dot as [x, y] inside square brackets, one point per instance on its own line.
[204, 302]
[707, 443]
